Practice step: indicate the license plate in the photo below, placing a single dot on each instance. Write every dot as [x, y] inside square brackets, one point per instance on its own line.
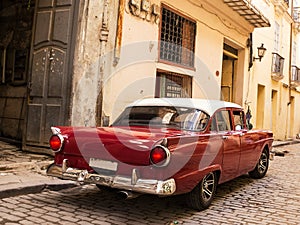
[103, 164]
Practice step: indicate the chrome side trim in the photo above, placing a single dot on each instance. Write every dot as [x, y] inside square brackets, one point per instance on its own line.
[55, 130]
[133, 183]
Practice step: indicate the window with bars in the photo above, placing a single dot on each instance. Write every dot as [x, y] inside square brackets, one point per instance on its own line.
[173, 85]
[177, 38]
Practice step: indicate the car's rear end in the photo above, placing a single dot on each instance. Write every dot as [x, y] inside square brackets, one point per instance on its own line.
[149, 149]
[114, 157]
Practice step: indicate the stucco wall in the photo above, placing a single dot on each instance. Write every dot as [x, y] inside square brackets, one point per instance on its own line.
[98, 18]
[134, 76]
[279, 115]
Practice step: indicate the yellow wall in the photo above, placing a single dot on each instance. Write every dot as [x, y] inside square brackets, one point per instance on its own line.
[274, 112]
[134, 76]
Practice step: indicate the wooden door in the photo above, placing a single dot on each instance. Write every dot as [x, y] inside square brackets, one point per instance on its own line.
[51, 69]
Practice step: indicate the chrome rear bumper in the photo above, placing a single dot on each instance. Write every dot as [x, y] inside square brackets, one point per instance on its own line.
[133, 183]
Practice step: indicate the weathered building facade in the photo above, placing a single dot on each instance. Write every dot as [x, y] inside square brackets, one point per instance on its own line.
[274, 82]
[61, 44]
[84, 61]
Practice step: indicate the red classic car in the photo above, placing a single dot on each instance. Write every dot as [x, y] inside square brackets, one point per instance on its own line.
[164, 147]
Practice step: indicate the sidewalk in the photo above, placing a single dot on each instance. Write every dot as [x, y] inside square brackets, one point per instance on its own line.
[23, 172]
[282, 143]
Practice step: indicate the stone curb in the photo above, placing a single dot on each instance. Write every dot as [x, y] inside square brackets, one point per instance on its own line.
[33, 188]
[40, 181]
[25, 165]
[280, 144]
[286, 143]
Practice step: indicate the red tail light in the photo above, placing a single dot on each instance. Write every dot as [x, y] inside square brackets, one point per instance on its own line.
[160, 156]
[56, 142]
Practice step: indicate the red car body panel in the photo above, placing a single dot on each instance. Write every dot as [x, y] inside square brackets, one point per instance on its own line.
[193, 154]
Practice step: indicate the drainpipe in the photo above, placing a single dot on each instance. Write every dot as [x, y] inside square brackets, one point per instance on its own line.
[290, 70]
[291, 53]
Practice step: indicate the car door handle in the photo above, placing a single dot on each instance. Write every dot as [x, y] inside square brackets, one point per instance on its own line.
[225, 137]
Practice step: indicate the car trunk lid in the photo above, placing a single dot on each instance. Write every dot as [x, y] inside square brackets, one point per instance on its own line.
[127, 145]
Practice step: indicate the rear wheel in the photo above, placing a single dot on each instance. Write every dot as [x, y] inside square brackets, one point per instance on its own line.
[261, 167]
[202, 195]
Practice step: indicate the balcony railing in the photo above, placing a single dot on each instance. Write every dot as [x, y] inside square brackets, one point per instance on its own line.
[277, 66]
[295, 79]
[296, 17]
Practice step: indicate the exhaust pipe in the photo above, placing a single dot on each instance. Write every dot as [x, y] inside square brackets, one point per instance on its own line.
[128, 194]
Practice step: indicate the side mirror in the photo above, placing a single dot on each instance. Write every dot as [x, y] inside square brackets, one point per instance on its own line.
[250, 126]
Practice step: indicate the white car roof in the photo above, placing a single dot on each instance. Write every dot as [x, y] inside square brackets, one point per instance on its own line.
[208, 106]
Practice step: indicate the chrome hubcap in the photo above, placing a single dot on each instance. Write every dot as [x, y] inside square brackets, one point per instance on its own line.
[263, 163]
[208, 186]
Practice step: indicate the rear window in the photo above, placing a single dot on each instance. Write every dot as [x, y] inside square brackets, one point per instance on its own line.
[164, 116]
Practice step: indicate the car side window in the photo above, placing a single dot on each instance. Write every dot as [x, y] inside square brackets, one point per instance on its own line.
[213, 125]
[238, 118]
[223, 120]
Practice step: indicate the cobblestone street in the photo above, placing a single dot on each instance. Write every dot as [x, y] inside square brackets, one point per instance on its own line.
[274, 199]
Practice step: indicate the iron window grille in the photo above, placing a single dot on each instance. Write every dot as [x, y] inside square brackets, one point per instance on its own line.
[177, 37]
[173, 85]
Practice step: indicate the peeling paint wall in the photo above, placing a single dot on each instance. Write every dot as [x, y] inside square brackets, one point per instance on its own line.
[88, 60]
[117, 57]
